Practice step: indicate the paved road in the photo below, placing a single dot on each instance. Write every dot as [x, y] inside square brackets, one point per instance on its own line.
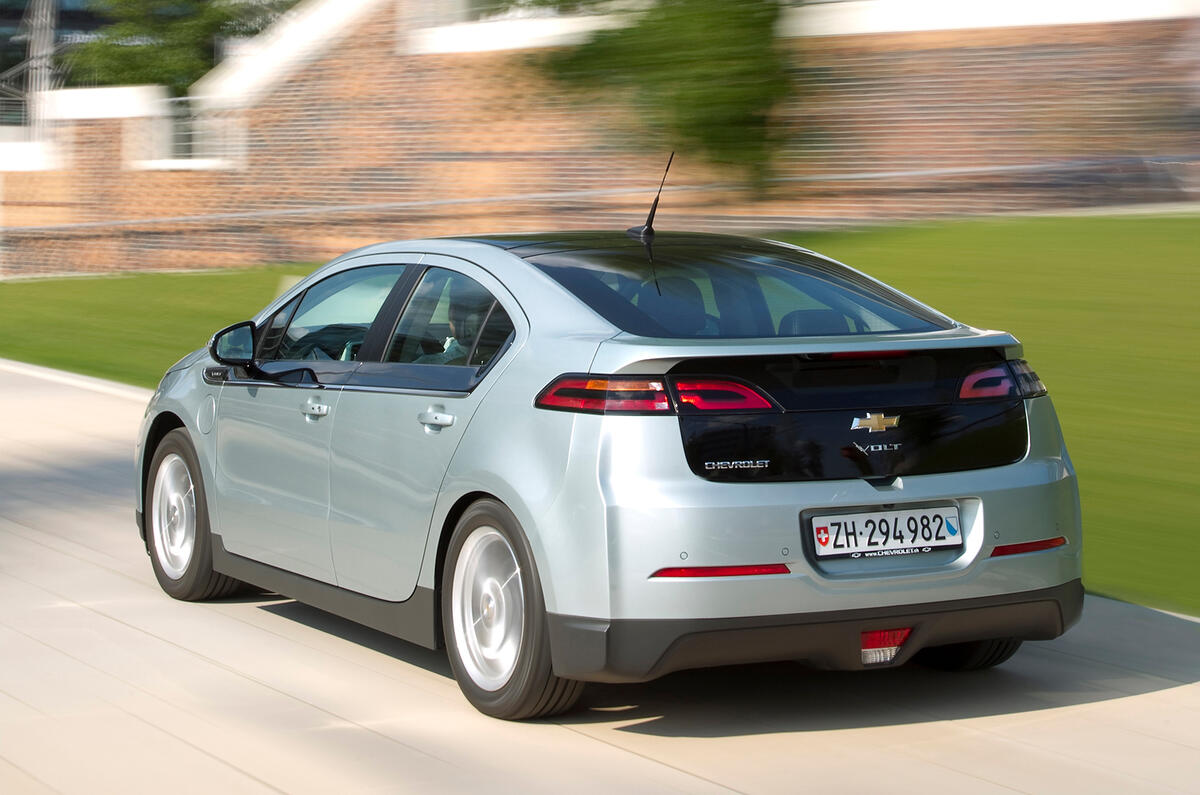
[107, 685]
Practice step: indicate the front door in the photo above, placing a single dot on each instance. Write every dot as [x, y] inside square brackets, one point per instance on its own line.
[274, 423]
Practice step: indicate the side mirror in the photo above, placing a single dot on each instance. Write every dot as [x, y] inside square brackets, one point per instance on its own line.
[234, 345]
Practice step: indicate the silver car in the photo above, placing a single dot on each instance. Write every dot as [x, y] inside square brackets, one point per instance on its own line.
[604, 457]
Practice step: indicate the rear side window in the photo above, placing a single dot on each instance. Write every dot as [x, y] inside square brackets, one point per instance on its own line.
[693, 291]
[451, 319]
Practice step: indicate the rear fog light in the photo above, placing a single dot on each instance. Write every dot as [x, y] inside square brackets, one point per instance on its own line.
[881, 645]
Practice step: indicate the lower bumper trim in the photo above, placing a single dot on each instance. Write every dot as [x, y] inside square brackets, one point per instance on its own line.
[637, 650]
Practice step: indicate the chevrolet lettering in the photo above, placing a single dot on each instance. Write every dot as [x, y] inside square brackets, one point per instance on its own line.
[714, 465]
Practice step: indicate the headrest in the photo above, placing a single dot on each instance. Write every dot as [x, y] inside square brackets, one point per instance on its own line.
[813, 323]
[676, 304]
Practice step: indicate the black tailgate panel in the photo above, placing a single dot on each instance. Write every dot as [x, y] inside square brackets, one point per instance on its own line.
[812, 435]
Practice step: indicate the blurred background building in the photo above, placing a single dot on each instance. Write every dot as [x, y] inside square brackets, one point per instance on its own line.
[353, 121]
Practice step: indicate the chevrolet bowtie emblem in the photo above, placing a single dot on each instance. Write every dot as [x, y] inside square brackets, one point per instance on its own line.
[874, 423]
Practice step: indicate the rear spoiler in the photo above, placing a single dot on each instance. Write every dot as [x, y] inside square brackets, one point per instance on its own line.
[630, 354]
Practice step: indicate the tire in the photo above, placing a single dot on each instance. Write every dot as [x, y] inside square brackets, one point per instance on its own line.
[972, 656]
[177, 531]
[494, 619]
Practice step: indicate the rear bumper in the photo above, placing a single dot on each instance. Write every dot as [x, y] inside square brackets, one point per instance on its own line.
[635, 650]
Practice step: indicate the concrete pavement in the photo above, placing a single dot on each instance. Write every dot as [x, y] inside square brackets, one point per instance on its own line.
[108, 685]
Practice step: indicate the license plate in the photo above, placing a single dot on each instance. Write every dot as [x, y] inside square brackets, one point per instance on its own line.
[881, 534]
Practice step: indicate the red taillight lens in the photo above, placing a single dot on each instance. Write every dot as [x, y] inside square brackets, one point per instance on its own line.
[606, 395]
[987, 382]
[709, 394]
[885, 638]
[723, 571]
[1028, 546]
[1007, 379]
[882, 645]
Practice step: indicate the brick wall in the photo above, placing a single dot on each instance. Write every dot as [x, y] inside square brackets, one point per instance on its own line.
[363, 144]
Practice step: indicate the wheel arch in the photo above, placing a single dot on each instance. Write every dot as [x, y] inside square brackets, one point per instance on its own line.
[163, 424]
[455, 513]
[445, 530]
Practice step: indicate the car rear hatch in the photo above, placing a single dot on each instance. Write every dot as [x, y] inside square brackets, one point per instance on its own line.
[830, 410]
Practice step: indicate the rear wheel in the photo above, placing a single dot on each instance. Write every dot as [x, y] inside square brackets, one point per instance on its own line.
[971, 656]
[494, 619]
[177, 529]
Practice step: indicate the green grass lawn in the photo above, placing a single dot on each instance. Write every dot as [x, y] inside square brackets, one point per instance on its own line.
[130, 327]
[1106, 308]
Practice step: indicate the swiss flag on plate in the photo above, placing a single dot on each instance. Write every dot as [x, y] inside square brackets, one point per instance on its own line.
[822, 535]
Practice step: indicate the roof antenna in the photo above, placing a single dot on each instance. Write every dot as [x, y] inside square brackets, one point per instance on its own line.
[645, 232]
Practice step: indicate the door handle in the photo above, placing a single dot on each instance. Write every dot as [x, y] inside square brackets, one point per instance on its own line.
[435, 419]
[314, 409]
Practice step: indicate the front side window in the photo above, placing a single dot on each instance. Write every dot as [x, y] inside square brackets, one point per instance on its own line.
[451, 319]
[331, 320]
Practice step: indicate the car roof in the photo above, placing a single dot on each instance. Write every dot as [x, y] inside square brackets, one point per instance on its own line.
[532, 245]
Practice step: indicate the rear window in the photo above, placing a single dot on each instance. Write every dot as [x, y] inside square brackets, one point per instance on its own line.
[694, 291]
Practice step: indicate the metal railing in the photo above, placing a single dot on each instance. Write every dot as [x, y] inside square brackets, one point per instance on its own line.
[13, 112]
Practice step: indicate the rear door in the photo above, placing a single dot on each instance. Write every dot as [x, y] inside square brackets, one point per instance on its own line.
[274, 426]
[400, 420]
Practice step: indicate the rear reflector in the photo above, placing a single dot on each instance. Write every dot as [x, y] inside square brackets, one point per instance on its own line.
[723, 571]
[881, 645]
[606, 395]
[708, 394]
[1028, 546]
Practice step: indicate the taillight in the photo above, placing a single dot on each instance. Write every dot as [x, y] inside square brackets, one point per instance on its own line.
[987, 382]
[1027, 380]
[881, 645]
[1005, 379]
[640, 394]
[606, 395]
[708, 394]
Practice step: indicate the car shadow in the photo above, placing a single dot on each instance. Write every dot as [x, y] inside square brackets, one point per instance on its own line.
[1117, 650]
[381, 642]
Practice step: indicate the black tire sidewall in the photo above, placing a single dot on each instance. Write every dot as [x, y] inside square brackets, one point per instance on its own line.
[197, 575]
[521, 695]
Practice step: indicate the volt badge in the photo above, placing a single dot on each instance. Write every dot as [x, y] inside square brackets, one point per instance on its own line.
[874, 423]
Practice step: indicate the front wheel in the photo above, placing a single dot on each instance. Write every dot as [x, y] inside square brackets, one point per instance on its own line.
[494, 619]
[177, 533]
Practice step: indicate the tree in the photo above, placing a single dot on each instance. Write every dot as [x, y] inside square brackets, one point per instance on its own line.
[167, 42]
[704, 76]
